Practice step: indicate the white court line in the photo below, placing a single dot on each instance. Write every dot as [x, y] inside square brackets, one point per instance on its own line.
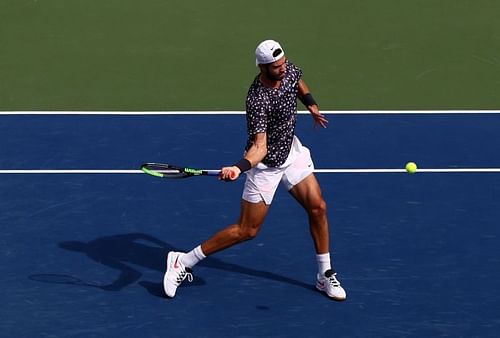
[180, 113]
[377, 171]
[70, 171]
[319, 171]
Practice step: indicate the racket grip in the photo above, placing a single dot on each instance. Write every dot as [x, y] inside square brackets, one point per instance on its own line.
[213, 172]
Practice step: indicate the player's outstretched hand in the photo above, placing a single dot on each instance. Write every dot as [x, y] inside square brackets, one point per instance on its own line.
[229, 173]
[317, 116]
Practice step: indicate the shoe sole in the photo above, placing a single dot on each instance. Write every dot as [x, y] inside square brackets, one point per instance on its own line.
[338, 299]
[169, 262]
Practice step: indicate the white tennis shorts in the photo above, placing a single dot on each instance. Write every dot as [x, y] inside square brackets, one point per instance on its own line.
[262, 181]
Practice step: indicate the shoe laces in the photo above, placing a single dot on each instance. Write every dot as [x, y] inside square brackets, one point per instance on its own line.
[332, 278]
[183, 274]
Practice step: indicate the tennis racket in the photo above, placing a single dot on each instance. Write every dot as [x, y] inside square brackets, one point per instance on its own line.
[171, 171]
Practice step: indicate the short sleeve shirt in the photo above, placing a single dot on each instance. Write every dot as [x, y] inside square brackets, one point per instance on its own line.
[274, 111]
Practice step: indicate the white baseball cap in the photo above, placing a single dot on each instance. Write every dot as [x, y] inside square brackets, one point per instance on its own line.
[268, 51]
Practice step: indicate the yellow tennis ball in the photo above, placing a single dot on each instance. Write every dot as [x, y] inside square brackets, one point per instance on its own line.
[411, 167]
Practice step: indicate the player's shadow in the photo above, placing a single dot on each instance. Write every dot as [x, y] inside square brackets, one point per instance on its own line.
[126, 252]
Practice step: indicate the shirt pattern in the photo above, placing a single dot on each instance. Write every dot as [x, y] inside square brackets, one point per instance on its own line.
[274, 111]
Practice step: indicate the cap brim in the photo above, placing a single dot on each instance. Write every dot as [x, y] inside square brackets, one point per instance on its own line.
[274, 60]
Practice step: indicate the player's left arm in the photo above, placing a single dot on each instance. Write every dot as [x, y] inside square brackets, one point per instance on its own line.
[304, 95]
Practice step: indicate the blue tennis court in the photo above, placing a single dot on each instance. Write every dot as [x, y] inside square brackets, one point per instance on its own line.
[82, 255]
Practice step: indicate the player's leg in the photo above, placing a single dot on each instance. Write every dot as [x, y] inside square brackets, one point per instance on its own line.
[308, 193]
[252, 217]
[258, 193]
[300, 181]
[179, 264]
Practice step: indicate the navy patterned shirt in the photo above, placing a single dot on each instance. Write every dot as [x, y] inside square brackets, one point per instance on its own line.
[274, 111]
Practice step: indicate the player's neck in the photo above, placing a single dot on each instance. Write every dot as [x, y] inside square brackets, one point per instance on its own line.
[269, 82]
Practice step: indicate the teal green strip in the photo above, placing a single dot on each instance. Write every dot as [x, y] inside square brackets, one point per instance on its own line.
[152, 172]
[193, 171]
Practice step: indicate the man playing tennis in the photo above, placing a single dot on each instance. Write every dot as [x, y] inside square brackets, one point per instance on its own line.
[273, 155]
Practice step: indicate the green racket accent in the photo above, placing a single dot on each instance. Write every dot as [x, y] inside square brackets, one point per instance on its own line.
[152, 172]
[193, 171]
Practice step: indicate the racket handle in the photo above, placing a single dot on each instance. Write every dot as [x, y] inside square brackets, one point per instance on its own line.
[213, 172]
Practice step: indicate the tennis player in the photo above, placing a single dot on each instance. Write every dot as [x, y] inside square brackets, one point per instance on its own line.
[273, 155]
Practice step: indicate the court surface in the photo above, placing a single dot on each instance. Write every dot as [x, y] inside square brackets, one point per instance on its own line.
[82, 255]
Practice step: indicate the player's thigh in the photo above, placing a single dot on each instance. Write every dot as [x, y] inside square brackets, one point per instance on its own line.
[308, 193]
[252, 215]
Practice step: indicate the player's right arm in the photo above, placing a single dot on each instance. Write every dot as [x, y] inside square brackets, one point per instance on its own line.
[254, 155]
[258, 150]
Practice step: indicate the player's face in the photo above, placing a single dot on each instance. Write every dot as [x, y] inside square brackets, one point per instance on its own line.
[276, 71]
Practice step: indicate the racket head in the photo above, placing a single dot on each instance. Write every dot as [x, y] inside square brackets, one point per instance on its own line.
[164, 170]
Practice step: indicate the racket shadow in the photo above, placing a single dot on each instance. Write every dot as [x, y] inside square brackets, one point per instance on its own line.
[132, 253]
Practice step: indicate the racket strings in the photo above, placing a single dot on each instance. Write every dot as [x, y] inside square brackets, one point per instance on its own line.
[163, 170]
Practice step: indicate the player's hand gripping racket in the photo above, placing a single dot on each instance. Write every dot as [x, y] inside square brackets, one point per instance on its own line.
[171, 171]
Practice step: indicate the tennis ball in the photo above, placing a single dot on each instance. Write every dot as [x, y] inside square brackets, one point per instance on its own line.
[411, 167]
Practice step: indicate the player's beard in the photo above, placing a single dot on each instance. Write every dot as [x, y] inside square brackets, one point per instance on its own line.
[277, 77]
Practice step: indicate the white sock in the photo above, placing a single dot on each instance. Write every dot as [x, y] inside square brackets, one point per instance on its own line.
[323, 263]
[193, 257]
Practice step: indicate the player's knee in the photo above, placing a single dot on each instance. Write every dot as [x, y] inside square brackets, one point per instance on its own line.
[318, 209]
[251, 234]
[248, 232]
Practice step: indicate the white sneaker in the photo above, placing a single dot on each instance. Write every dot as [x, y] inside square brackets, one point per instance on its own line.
[176, 273]
[330, 285]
